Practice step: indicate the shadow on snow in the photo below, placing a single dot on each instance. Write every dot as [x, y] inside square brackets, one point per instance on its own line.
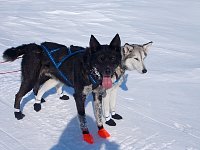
[71, 138]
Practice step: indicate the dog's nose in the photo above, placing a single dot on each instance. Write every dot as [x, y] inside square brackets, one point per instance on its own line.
[144, 71]
[108, 71]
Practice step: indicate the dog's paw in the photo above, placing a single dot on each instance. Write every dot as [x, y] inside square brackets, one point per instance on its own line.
[88, 138]
[64, 97]
[19, 115]
[43, 100]
[111, 122]
[117, 116]
[103, 133]
[37, 107]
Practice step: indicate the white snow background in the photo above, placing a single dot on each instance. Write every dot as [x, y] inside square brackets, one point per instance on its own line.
[160, 109]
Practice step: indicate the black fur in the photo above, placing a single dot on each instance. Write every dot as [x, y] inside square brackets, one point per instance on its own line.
[36, 67]
[11, 54]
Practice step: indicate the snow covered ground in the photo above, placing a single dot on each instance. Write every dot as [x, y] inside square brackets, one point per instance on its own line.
[161, 109]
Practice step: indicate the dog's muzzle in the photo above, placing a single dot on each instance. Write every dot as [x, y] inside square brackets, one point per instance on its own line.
[108, 71]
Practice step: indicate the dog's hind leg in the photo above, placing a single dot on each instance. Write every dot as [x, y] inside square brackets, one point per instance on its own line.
[42, 79]
[24, 89]
[44, 88]
[60, 91]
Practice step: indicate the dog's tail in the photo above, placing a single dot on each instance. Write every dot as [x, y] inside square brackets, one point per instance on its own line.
[13, 53]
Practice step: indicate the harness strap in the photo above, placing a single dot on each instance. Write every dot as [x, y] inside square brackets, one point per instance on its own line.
[92, 79]
[70, 54]
[57, 65]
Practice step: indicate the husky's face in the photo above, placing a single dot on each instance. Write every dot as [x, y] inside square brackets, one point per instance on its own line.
[134, 55]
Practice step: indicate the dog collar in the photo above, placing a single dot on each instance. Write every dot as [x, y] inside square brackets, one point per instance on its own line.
[95, 76]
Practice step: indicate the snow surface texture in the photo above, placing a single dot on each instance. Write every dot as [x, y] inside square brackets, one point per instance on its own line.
[161, 109]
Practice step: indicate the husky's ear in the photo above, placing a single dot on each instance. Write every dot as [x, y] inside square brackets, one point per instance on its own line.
[127, 48]
[116, 42]
[94, 44]
[146, 46]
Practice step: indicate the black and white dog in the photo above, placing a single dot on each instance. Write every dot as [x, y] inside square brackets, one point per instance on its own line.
[133, 56]
[86, 70]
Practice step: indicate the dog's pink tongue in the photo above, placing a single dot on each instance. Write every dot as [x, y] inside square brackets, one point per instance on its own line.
[107, 82]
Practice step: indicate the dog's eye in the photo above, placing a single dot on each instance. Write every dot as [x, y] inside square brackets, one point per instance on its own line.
[113, 58]
[101, 58]
[136, 59]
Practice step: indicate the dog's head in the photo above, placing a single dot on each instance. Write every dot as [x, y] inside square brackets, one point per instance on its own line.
[105, 58]
[134, 55]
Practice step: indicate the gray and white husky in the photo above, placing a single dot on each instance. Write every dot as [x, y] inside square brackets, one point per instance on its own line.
[133, 56]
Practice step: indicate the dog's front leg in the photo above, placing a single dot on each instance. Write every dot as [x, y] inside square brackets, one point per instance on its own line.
[98, 114]
[98, 109]
[106, 108]
[80, 105]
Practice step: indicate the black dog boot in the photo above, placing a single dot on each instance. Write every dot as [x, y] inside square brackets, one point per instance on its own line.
[37, 107]
[117, 116]
[64, 97]
[43, 100]
[111, 122]
[19, 115]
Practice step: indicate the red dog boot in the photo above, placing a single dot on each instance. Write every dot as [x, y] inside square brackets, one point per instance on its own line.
[103, 133]
[88, 138]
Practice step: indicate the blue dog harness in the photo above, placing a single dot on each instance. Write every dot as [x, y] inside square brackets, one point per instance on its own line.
[57, 65]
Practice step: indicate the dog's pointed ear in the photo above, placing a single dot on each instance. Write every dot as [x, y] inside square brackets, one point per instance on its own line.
[126, 49]
[116, 42]
[94, 44]
[146, 46]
